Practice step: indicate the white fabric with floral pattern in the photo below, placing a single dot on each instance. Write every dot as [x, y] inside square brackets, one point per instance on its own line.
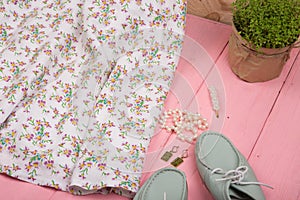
[81, 84]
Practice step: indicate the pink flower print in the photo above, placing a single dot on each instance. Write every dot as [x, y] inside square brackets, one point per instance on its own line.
[25, 152]
[162, 2]
[81, 165]
[35, 165]
[143, 149]
[31, 177]
[70, 69]
[70, 21]
[123, 1]
[6, 78]
[89, 164]
[48, 52]
[117, 172]
[13, 133]
[60, 47]
[55, 185]
[16, 167]
[67, 169]
[74, 121]
[75, 154]
[98, 106]
[122, 159]
[58, 98]
[95, 15]
[43, 156]
[175, 17]
[37, 127]
[101, 166]
[47, 124]
[49, 164]
[12, 49]
[110, 110]
[55, 111]
[140, 131]
[5, 141]
[2, 9]
[111, 124]
[107, 134]
[28, 167]
[41, 103]
[133, 185]
[134, 147]
[150, 8]
[126, 177]
[67, 152]
[133, 161]
[12, 149]
[6, 168]
[132, 152]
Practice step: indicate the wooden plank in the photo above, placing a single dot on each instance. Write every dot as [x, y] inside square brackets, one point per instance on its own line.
[209, 34]
[14, 189]
[276, 156]
[248, 104]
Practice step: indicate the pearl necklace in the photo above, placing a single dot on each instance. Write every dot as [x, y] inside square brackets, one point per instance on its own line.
[183, 121]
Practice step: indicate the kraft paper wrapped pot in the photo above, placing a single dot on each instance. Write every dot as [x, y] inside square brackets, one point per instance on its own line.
[253, 65]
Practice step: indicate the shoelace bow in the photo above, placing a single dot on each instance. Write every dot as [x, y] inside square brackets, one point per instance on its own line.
[237, 176]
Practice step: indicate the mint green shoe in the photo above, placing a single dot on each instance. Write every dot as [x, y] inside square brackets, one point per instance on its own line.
[224, 170]
[165, 184]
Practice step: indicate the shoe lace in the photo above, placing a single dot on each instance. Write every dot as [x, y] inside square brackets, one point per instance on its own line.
[237, 176]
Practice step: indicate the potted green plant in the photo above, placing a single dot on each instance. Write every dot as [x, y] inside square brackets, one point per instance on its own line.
[264, 32]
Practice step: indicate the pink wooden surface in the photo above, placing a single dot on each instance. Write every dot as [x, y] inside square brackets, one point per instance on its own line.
[276, 156]
[248, 104]
[12, 189]
[247, 107]
[260, 119]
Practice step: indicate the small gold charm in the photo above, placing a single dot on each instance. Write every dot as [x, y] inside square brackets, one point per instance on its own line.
[168, 154]
[179, 160]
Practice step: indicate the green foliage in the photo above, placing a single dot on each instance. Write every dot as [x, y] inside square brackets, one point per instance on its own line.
[267, 23]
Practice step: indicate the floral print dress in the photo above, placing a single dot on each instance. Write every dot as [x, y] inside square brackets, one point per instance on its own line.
[81, 86]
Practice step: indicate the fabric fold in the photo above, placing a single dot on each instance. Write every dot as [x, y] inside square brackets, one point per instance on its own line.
[93, 80]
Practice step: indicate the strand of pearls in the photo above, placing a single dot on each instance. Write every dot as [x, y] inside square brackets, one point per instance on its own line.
[183, 121]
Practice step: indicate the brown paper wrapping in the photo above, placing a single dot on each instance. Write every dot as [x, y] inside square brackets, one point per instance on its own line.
[218, 10]
[253, 66]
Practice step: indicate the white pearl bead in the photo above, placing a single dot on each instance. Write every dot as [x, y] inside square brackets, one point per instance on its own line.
[182, 120]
